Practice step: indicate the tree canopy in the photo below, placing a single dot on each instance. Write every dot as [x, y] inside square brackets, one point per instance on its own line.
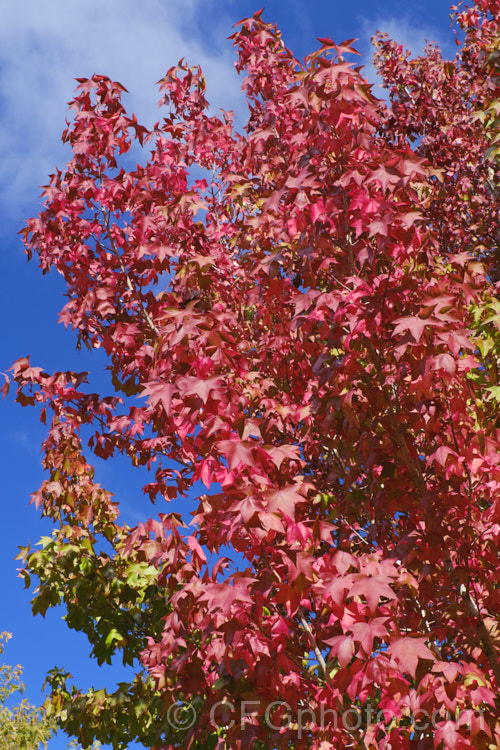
[304, 317]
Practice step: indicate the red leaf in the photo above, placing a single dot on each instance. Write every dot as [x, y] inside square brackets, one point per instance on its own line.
[373, 588]
[189, 385]
[441, 455]
[159, 393]
[411, 323]
[237, 451]
[197, 550]
[342, 647]
[223, 595]
[318, 210]
[366, 632]
[447, 732]
[284, 501]
[446, 362]
[408, 651]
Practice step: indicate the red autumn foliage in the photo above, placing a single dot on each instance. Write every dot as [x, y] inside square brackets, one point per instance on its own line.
[322, 355]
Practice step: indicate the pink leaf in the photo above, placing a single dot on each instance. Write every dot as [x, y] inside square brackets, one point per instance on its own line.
[408, 651]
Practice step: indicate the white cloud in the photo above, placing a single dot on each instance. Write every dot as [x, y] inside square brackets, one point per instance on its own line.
[45, 44]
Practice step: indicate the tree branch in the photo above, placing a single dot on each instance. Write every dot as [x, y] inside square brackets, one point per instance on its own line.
[312, 639]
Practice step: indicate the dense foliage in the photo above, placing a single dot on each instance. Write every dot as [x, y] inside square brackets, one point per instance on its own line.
[305, 318]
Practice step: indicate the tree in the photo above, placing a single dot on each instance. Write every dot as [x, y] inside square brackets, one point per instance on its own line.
[22, 727]
[305, 318]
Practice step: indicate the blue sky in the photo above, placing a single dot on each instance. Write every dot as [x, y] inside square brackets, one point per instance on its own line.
[44, 45]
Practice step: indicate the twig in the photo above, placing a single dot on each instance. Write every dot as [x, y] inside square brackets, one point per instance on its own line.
[317, 652]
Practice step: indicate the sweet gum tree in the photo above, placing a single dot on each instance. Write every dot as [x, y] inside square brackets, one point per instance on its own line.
[305, 317]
